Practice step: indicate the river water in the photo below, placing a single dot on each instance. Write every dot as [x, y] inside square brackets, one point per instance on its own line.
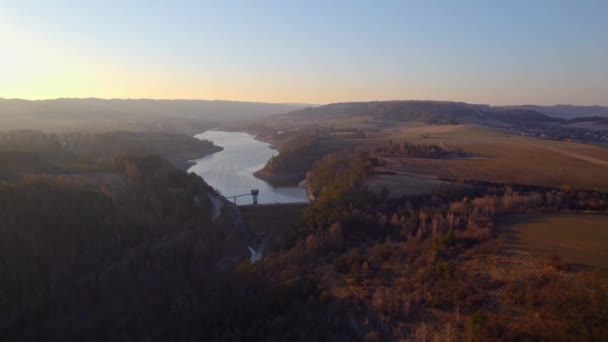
[231, 171]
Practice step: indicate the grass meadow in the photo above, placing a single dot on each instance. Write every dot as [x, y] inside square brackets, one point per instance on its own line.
[578, 238]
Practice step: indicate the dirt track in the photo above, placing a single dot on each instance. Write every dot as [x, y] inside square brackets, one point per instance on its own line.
[575, 155]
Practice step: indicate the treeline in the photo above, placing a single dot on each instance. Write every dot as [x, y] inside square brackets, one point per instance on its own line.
[15, 163]
[67, 247]
[110, 144]
[296, 154]
[408, 149]
[32, 152]
[30, 141]
[334, 181]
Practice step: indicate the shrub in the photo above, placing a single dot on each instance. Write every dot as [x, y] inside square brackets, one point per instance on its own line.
[435, 301]
[448, 268]
[448, 238]
[556, 262]
[325, 296]
[381, 252]
[475, 326]
[372, 336]
[341, 265]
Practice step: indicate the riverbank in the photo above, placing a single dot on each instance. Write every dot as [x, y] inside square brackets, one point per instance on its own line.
[184, 160]
[304, 184]
[235, 170]
[293, 171]
[290, 179]
[277, 179]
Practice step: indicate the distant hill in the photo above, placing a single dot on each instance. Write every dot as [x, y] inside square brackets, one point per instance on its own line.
[396, 110]
[431, 112]
[132, 114]
[520, 116]
[590, 122]
[567, 111]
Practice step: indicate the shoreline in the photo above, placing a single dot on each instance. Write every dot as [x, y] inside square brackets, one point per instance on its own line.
[292, 179]
[277, 179]
[296, 179]
[186, 160]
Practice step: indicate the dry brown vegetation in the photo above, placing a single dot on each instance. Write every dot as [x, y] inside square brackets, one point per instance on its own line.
[493, 155]
[506, 158]
[580, 239]
[443, 271]
[435, 267]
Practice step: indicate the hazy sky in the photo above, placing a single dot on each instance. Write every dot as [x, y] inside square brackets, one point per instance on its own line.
[497, 52]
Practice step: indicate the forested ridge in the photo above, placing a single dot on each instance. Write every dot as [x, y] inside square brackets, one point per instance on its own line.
[26, 151]
[296, 154]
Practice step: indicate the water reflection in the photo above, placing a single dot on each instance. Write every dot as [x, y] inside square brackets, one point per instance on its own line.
[231, 170]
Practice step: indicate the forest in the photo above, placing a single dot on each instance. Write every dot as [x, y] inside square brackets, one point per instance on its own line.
[69, 245]
[133, 243]
[296, 154]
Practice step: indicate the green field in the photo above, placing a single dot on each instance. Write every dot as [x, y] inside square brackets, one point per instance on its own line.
[578, 238]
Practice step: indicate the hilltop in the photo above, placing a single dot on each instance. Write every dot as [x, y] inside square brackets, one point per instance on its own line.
[567, 111]
[381, 113]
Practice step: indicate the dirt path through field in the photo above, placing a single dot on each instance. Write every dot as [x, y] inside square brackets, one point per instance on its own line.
[575, 155]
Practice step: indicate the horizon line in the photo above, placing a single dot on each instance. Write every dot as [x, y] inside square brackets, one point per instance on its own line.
[289, 103]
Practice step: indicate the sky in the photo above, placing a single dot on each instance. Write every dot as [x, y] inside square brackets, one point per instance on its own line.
[495, 52]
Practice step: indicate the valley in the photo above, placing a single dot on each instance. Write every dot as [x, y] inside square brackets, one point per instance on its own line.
[306, 171]
[424, 221]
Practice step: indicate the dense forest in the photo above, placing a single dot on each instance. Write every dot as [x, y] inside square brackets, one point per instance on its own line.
[296, 154]
[70, 245]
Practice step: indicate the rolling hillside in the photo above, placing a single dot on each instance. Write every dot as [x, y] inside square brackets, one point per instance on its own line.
[430, 112]
[567, 111]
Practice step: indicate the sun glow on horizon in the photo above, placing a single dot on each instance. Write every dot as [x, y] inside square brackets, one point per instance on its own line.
[307, 53]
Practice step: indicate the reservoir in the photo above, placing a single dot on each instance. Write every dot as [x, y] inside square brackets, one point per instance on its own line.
[231, 171]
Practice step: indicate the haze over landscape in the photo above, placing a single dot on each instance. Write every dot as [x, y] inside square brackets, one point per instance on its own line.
[313, 171]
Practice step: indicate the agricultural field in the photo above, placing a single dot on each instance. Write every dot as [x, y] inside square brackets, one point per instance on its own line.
[578, 238]
[493, 156]
[501, 157]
